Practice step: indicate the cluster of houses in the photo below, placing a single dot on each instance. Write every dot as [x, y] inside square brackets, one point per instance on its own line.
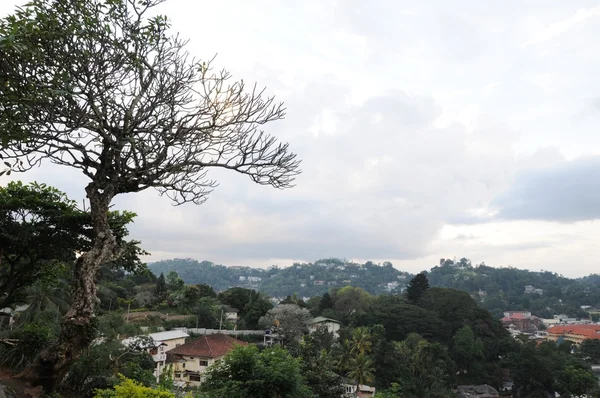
[558, 328]
[188, 358]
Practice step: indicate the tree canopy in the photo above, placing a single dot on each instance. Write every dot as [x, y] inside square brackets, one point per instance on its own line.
[131, 110]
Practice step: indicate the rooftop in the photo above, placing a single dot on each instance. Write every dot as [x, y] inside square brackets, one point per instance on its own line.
[321, 319]
[170, 335]
[208, 346]
[482, 391]
[585, 330]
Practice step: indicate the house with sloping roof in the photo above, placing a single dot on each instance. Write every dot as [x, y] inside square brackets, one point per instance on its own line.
[191, 359]
[575, 333]
[332, 325]
[351, 390]
[482, 391]
[157, 345]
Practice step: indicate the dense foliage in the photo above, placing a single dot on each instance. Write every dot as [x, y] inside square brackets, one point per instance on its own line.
[302, 279]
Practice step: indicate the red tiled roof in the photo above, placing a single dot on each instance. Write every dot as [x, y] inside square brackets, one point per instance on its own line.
[588, 331]
[519, 315]
[209, 346]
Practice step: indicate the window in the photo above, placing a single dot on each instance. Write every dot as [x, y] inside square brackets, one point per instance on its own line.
[183, 365]
[349, 389]
[162, 348]
[178, 374]
[203, 363]
[177, 345]
[194, 377]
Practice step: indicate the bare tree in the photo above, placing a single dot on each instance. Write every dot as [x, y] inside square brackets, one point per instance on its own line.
[132, 110]
[288, 320]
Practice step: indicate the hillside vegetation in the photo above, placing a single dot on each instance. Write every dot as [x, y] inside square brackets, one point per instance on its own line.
[496, 289]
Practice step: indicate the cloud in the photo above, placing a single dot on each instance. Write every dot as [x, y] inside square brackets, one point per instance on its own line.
[567, 192]
[558, 28]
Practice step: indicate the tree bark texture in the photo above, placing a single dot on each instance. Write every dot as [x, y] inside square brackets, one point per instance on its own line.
[78, 327]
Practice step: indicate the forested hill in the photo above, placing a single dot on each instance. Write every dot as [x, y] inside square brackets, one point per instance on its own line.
[303, 279]
[498, 289]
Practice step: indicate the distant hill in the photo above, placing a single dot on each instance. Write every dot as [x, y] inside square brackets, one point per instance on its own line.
[499, 289]
[496, 289]
[302, 279]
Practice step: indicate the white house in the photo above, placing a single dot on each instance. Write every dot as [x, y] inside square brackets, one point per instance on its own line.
[332, 325]
[158, 346]
[363, 391]
[191, 359]
[231, 314]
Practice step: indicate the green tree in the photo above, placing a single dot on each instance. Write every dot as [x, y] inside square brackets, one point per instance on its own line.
[161, 292]
[361, 340]
[589, 350]
[318, 368]
[417, 287]
[426, 368]
[132, 111]
[576, 381]
[128, 388]
[532, 376]
[326, 302]
[205, 290]
[246, 372]
[400, 319]
[361, 369]
[343, 353]
[351, 300]
[41, 229]
[454, 307]
[46, 294]
[466, 349]
[174, 282]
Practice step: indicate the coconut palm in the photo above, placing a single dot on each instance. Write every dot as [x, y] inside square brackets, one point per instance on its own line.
[43, 296]
[361, 370]
[344, 355]
[361, 340]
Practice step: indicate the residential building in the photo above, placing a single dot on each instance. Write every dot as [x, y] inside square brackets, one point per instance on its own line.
[575, 333]
[332, 325]
[191, 359]
[254, 279]
[230, 313]
[363, 390]
[158, 345]
[522, 321]
[482, 391]
[319, 283]
[562, 318]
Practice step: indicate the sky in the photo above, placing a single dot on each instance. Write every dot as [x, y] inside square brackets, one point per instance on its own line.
[426, 130]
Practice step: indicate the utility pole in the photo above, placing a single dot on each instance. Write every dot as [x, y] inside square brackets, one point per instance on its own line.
[221, 320]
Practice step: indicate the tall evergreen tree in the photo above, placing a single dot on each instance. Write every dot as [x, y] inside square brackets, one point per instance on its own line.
[417, 287]
[160, 291]
[326, 302]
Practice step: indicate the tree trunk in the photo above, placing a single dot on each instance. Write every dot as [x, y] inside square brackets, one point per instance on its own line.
[78, 327]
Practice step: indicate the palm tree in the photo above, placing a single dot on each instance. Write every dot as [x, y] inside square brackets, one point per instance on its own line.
[361, 340]
[361, 370]
[42, 296]
[344, 355]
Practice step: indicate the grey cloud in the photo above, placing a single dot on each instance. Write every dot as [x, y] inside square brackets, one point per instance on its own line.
[566, 192]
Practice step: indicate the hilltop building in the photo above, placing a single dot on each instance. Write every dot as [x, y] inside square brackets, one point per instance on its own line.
[522, 321]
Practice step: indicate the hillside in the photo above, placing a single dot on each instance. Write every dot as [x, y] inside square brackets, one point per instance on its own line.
[499, 289]
[302, 279]
[496, 289]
